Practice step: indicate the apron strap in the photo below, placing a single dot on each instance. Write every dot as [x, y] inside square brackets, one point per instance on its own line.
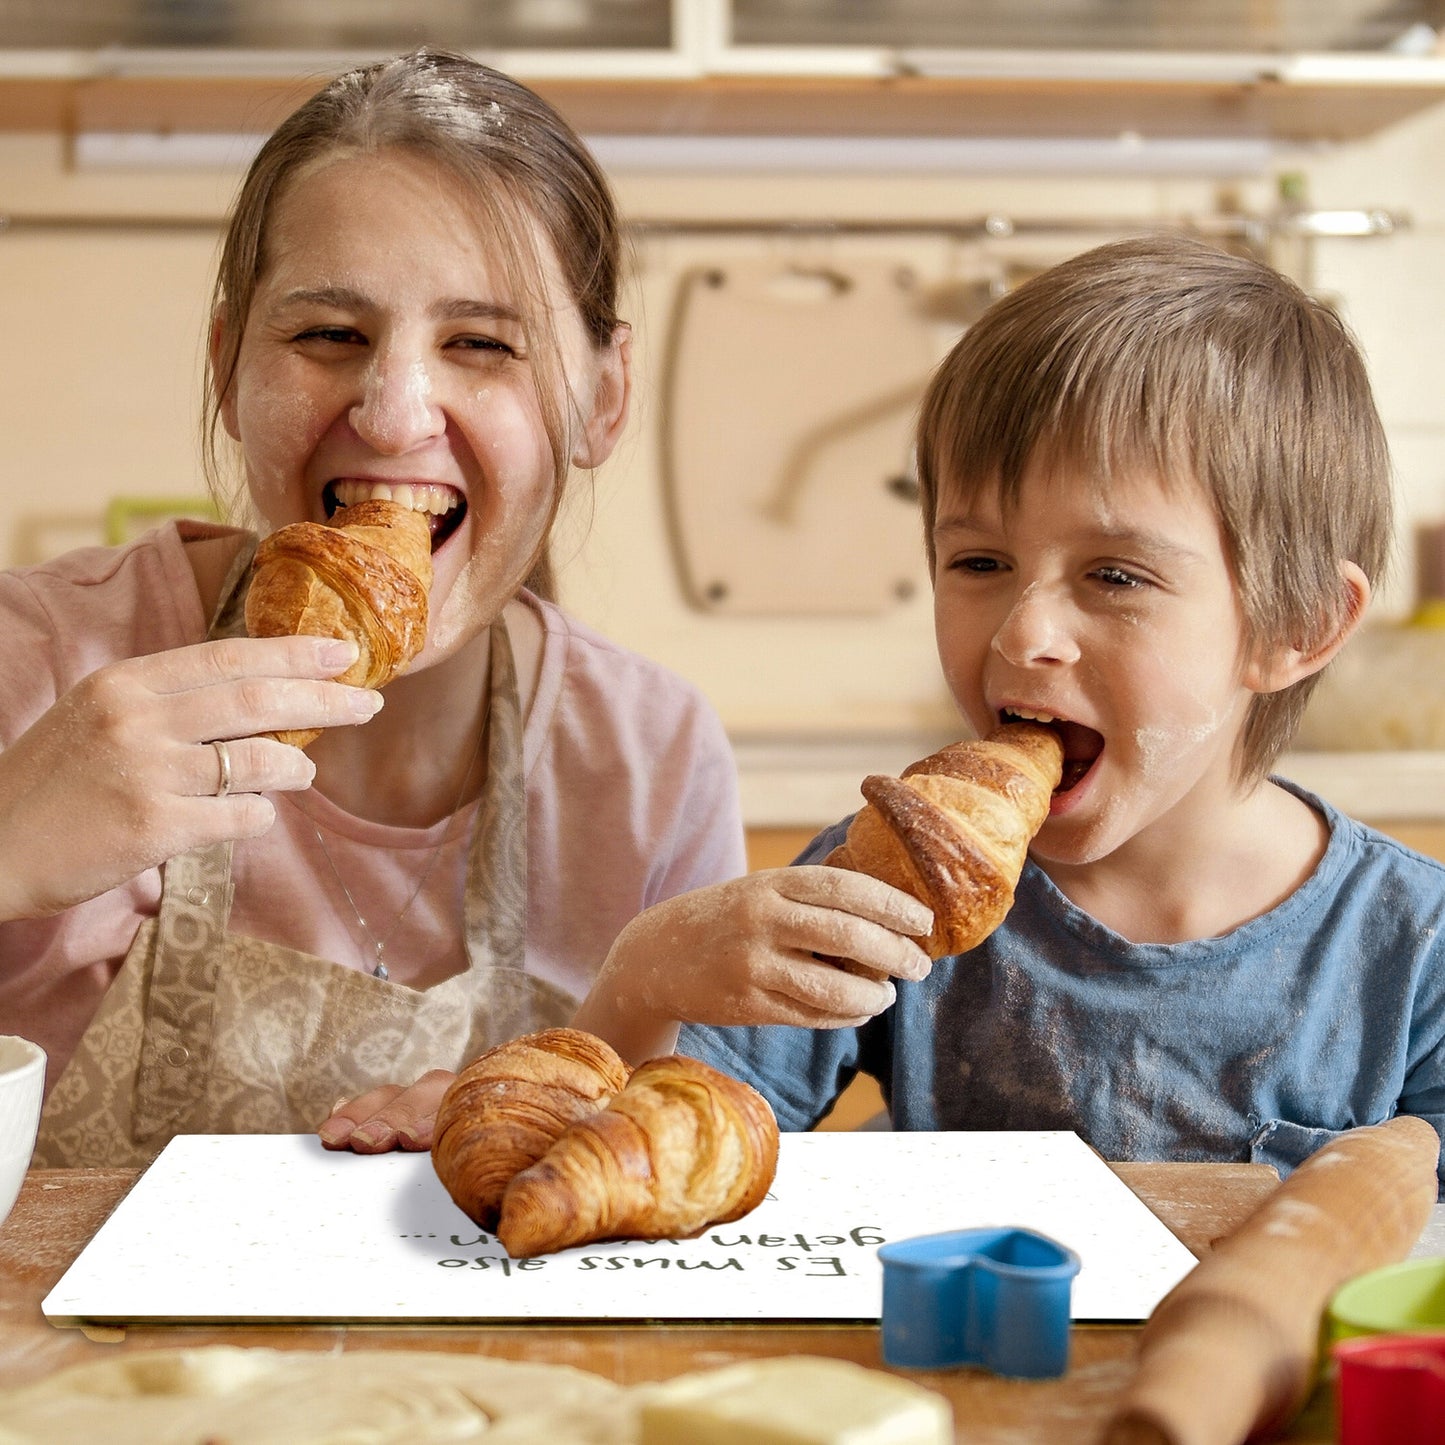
[229, 618]
[176, 1044]
[195, 907]
[496, 891]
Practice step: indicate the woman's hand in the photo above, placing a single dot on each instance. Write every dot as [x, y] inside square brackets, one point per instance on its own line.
[812, 946]
[395, 1116]
[120, 774]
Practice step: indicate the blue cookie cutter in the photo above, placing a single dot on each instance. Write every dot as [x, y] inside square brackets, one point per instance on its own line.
[995, 1297]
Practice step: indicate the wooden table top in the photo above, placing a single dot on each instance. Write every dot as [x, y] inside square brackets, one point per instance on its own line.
[60, 1210]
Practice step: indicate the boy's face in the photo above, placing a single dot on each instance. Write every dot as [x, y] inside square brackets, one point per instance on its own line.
[1114, 610]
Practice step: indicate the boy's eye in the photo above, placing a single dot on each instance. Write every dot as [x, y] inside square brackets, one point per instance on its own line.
[975, 564]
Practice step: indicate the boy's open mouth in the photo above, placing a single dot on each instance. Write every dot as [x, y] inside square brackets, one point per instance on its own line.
[444, 506]
[1082, 745]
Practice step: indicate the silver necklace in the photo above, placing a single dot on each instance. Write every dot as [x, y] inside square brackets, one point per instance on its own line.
[379, 944]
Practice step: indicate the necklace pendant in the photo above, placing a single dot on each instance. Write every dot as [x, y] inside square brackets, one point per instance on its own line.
[379, 944]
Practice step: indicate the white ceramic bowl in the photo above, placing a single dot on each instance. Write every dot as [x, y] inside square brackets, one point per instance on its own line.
[22, 1082]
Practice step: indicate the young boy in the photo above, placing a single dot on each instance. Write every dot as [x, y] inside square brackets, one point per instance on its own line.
[1156, 496]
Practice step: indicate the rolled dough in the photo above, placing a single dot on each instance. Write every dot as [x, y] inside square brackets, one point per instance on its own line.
[274, 1397]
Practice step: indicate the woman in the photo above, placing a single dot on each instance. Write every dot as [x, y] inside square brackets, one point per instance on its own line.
[210, 930]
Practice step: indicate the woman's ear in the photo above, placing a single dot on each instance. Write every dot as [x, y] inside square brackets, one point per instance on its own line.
[214, 349]
[1277, 668]
[611, 396]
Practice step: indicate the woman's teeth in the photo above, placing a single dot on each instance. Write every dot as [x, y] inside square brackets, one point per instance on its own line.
[418, 497]
[1022, 714]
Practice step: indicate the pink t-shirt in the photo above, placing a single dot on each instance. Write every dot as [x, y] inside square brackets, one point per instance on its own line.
[631, 798]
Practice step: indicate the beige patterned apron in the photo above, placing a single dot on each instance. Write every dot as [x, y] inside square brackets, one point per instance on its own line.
[208, 1032]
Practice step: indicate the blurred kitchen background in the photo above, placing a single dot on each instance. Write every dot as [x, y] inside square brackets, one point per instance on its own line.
[822, 194]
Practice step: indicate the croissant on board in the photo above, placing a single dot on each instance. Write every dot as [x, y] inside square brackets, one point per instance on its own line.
[681, 1147]
[510, 1105]
[955, 829]
[363, 575]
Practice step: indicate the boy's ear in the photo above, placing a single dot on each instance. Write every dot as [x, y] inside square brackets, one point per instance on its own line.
[228, 402]
[611, 396]
[1277, 668]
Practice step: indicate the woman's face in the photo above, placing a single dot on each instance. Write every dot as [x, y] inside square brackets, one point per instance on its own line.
[385, 356]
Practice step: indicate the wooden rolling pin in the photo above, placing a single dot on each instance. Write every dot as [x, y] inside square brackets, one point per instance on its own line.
[1230, 1353]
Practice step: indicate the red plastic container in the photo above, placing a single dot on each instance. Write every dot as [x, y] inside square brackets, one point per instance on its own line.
[1390, 1390]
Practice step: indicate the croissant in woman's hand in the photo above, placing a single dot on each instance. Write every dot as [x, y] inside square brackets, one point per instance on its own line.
[510, 1105]
[955, 829]
[681, 1147]
[365, 575]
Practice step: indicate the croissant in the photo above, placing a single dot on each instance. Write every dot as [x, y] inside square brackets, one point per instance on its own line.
[681, 1147]
[365, 575]
[955, 829]
[507, 1108]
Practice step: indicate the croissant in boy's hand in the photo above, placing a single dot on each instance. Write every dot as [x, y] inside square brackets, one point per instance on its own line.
[577, 1151]
[955, 829]
[364, 575]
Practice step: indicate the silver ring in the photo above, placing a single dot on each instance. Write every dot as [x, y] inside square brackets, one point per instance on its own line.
[223, 757]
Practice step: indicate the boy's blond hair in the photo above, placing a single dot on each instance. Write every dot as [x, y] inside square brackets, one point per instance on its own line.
[1166, 357]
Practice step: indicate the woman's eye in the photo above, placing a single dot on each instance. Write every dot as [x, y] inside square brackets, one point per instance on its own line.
[1118, 577]
[338, 335]
[486, 344]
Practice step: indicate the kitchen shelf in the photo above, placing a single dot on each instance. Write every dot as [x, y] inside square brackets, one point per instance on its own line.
[72, 94]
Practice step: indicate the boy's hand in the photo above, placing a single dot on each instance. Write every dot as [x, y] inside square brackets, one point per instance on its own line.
[395, 1116]
[812, 946]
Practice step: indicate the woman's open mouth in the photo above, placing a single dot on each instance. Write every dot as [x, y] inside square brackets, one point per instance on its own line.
[444, 506]
[1082, 745]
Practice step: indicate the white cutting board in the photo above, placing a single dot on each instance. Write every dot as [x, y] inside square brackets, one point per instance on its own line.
[275, 1228]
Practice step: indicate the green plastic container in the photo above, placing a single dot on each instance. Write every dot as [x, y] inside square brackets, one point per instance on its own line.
[1401, 1299]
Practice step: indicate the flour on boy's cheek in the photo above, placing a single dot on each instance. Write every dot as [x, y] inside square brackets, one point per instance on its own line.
[1150, 770]
[1159, 748]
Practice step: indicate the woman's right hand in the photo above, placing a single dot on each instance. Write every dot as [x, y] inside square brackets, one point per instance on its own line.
[120, 774]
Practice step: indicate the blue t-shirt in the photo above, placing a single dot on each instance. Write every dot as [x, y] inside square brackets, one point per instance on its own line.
[1261, 1045]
